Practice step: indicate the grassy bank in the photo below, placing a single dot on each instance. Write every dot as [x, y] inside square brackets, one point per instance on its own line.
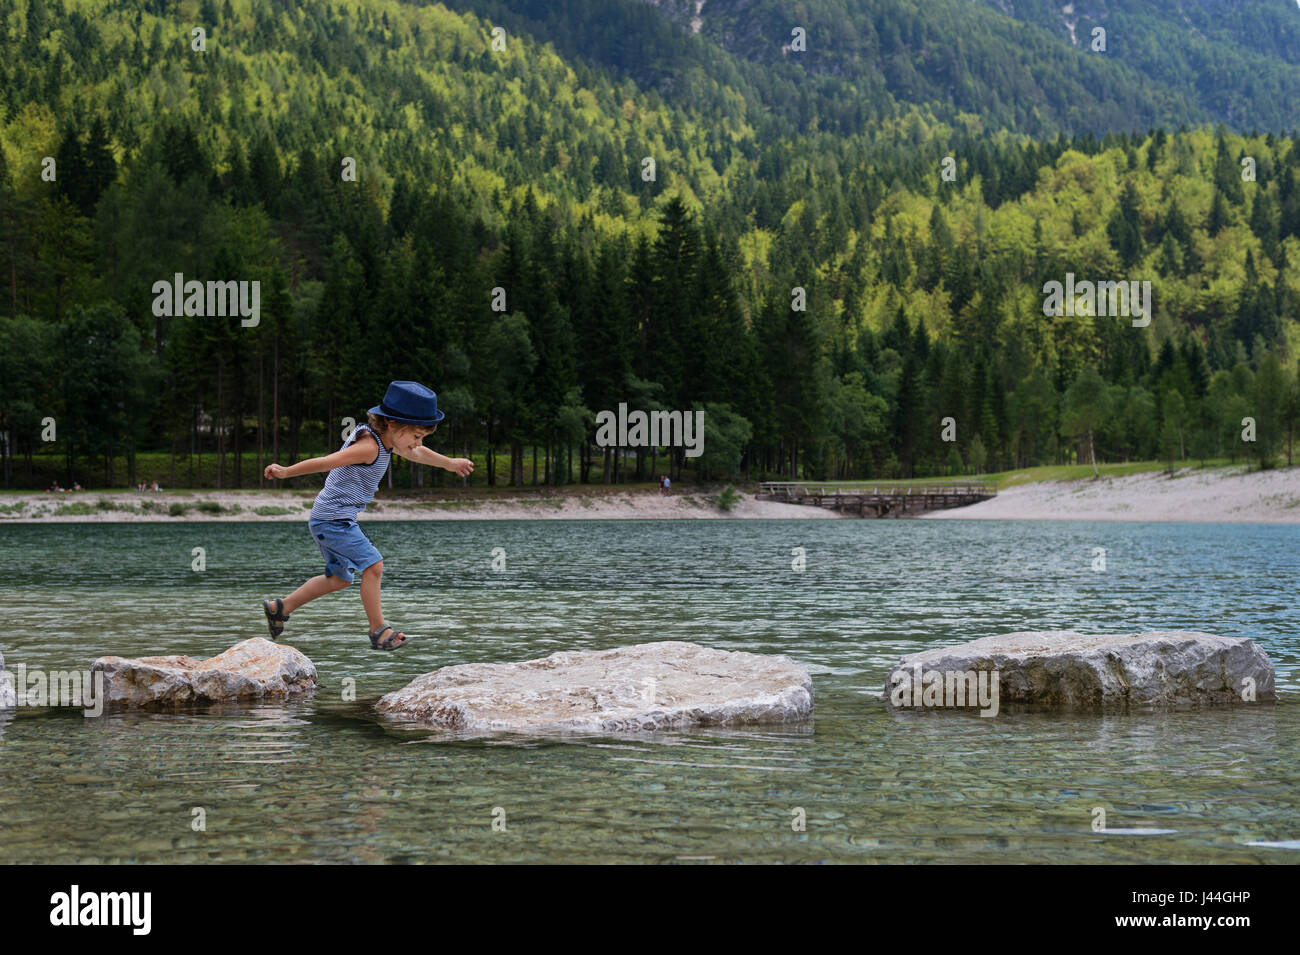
[1084, 472]
[1055, 472]
[156, 466]
[205, 473]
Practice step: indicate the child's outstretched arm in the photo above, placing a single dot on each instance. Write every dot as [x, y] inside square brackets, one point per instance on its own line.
[359, 452]
[422, 455]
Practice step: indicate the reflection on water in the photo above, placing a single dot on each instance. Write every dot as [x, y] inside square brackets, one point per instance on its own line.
[323, 780]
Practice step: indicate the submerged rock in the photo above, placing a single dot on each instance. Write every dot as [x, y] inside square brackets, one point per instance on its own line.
[253, 670]
[649, 686]
[1063, 668]
[8, 695]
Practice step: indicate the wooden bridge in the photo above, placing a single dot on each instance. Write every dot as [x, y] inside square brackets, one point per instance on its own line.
[878, 500]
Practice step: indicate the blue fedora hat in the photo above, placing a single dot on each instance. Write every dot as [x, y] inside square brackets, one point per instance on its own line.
[410, 403]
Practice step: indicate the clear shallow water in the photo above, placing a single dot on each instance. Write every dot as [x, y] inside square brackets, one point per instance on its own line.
[322, 780]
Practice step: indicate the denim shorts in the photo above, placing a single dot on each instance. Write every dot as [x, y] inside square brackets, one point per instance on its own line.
[344, 547]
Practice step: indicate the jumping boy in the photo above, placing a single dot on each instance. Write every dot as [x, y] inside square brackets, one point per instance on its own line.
[400, 423]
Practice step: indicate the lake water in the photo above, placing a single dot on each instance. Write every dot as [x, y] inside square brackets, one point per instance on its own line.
[324, 781]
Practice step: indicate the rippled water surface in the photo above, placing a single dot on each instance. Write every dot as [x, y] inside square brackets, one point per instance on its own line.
[323, 780]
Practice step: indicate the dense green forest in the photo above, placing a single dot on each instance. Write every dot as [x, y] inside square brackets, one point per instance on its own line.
[821, 290]
[1023, 64]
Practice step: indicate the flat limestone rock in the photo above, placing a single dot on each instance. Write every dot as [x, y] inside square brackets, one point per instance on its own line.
[648, 686]
[1064, 668]
[253, 670]
[8, 695]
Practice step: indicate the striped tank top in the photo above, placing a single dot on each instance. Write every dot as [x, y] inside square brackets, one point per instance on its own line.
[348, 489]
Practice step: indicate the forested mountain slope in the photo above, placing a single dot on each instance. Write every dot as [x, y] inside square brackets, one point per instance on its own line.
[1027, 65]
[828, 298]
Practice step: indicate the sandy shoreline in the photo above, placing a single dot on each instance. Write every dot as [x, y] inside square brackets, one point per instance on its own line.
[1229, 495]
[602, 504]
[1194, 495]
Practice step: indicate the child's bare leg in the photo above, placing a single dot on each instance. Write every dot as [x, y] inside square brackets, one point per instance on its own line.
[370, 581]
[318, 586]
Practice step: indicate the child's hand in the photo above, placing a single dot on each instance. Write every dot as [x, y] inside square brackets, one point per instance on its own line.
[274, 472]
[461, 466]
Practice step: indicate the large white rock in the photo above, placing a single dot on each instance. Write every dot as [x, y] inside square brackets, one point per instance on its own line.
[1170, 668]
[253, 670]
[649, 686]
[8, 695]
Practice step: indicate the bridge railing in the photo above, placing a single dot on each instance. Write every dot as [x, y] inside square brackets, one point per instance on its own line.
[798, 489]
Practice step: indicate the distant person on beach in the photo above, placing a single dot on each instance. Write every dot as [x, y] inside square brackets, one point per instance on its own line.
[400, 423]
[77, 487]
[668, 484]
[156, 487]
